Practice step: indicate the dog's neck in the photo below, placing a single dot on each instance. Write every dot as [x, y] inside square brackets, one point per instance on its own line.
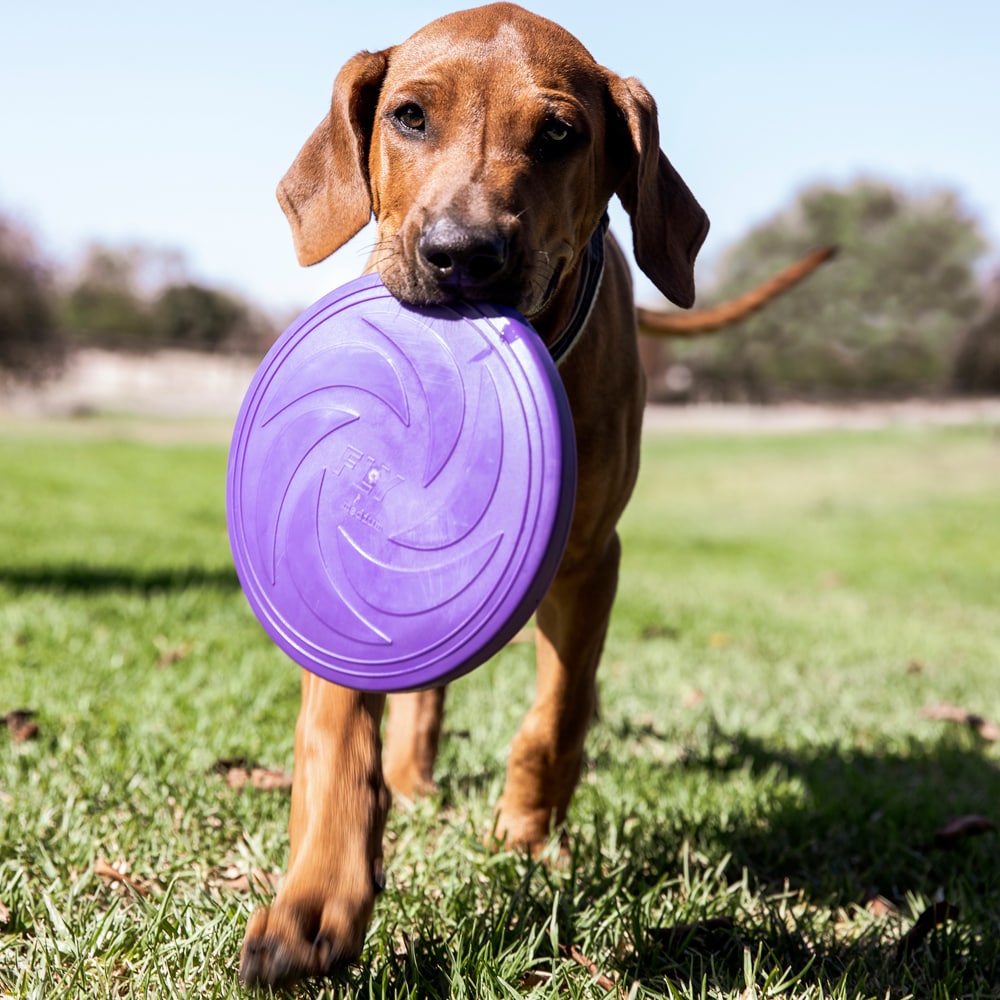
[562, 339]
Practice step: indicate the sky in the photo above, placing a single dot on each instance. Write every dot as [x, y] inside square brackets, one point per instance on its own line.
[169, 125]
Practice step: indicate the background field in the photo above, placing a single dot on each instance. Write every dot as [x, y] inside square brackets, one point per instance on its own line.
[763, 802]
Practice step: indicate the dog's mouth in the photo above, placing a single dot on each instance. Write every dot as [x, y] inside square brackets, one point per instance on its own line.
[417, 290]
[414, 288]
[550, 290]
[446, 261]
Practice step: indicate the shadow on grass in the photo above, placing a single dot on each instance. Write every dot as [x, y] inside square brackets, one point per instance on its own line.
[841, 821]
[831, 829]
[86, 578]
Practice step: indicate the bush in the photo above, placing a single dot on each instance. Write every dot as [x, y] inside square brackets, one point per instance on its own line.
[104, 305]
[30, 346]
[119, 300]
[880, 321]
[977, 359]
[192, 316]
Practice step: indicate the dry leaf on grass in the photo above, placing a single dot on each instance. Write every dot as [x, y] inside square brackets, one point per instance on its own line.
[944, 712]
[116, 873]
[880, 907]
[529, 980]
[21, 725]
[659, 631]
[601, 979]
[958, 828]
[264, 779]
[932, 918]
[235, 879]
[240, 772]
[693, 698]
[172, 654]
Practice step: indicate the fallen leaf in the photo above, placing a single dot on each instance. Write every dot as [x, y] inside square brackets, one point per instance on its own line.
[880, 907]
[959, 827]
[266, 779]
[21, 725]
[234, 879]
[600, 978]
[237, 777]
[172, 654]
[117, 873]
[240, 772]
[944, 712]
[932, 918]
[529, 980]
[660, 632]
[261, 778]
[988, 730]
[693, 698]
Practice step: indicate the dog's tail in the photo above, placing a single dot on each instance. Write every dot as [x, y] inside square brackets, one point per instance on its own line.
[694, 324]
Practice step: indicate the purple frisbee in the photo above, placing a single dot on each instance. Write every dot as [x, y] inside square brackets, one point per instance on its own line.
[400, 487]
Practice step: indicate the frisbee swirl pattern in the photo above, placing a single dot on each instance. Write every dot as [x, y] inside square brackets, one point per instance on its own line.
[400, 486]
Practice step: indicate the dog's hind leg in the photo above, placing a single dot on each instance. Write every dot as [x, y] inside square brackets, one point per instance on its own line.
[411, 741]
[547, 753]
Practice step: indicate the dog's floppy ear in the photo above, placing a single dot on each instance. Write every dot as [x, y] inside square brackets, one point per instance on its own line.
[668, 224]
[325, 193]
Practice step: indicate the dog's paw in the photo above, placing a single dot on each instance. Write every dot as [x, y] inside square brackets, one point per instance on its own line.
[408, 781]
[295, 940]
[532, 832]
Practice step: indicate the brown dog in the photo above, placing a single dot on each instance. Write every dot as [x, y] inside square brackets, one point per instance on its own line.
[488, 146]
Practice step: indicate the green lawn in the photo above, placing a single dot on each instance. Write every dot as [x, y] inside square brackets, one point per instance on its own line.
[758, 813]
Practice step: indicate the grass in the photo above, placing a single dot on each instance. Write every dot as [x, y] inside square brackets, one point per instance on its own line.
[758, 812]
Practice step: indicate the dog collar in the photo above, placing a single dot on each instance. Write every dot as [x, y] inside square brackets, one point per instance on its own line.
[592, 270]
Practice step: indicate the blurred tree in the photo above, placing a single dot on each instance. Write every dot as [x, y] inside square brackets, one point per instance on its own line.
[880, 321]
[30, 347]
[105, 303]
[192, 316]
[977, 360]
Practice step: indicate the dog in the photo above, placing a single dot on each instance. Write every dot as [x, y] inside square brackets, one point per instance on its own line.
[487, 147]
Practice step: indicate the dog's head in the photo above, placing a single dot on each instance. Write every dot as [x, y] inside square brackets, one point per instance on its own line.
[488, 146]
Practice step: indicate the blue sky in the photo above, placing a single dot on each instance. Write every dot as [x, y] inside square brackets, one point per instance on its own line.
[169, 125]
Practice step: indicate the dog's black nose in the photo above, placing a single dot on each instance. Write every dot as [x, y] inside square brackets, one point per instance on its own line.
[462, 258]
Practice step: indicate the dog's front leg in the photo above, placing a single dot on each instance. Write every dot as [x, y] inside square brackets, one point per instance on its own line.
[547, 753]
[339, 808]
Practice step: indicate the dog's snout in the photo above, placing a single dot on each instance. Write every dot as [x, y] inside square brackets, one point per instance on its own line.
[463, 258]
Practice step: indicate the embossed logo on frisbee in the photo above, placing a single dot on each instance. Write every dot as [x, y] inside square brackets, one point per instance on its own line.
[400, 487]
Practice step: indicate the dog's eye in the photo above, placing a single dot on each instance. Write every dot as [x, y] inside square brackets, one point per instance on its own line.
[555, 138]
[556, 131]
[411, 117]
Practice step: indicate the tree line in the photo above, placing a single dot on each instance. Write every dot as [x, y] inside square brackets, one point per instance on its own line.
[120, 298]
[905, 309]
